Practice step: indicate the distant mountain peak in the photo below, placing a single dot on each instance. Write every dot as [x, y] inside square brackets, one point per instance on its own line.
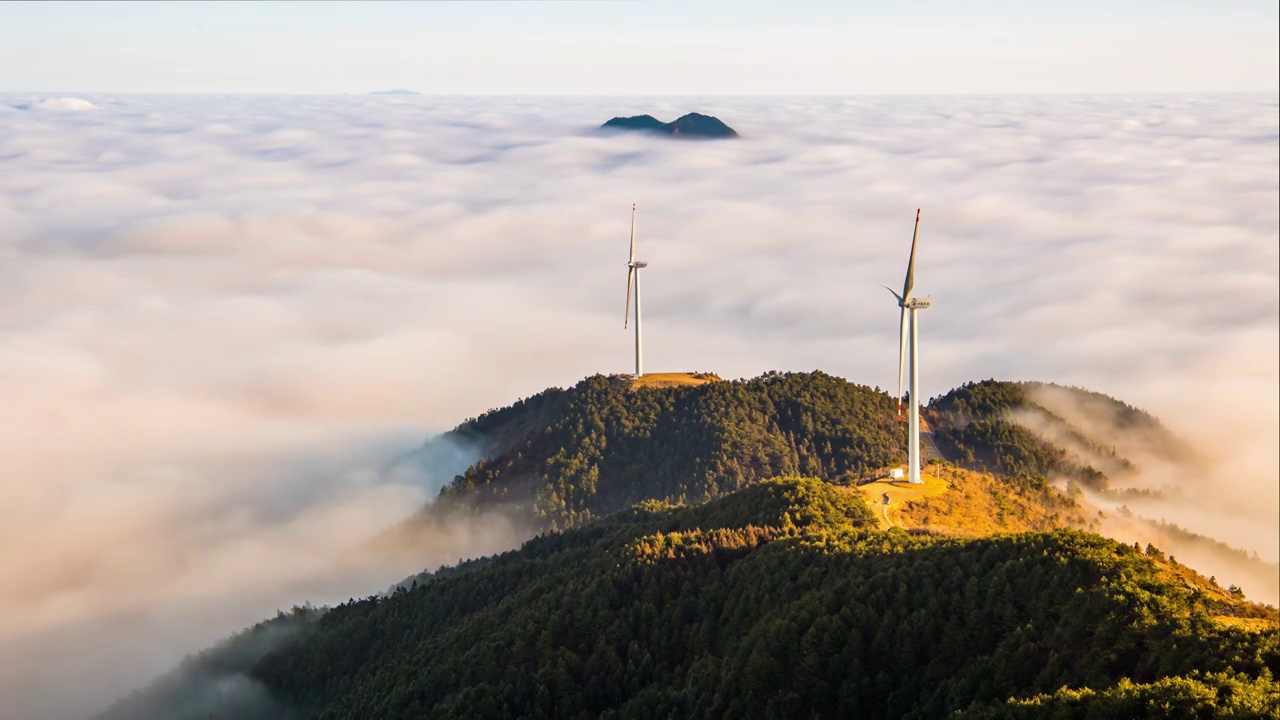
[692, 125]
[71, 104]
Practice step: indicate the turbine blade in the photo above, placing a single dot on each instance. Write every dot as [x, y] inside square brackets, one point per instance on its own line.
[632, 257]
[902, 358]
[631, 274]
[911, 262]
[893, 293]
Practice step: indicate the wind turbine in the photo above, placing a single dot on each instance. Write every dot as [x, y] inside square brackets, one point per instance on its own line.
[633, 281]
[910, 305]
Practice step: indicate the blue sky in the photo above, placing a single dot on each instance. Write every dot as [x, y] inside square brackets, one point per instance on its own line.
[638, 47]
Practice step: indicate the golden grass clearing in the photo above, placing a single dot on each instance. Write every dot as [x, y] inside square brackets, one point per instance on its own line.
[673, 379]
[898, 492]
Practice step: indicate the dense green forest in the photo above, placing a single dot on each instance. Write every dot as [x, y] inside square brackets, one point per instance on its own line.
[780, 601]
[569, 456]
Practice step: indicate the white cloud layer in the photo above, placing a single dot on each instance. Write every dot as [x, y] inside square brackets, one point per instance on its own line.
[217, 312]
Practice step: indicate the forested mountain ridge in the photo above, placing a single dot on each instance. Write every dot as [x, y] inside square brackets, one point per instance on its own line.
[1038, 430]
[564, 457]
[780, 600]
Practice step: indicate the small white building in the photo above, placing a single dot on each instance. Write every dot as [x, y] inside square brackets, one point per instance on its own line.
[896, 474]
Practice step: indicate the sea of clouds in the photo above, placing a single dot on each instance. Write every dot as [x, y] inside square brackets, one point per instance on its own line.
[221, 316]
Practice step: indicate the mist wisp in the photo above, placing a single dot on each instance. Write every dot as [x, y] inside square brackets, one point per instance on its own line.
[1213, 502]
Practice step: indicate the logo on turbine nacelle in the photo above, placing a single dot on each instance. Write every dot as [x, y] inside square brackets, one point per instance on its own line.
[918, 303]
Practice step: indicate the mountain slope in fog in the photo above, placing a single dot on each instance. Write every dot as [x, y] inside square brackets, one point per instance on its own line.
[782, 600]
[677, 575]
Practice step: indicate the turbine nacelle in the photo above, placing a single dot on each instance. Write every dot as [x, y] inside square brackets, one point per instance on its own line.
[910, 303]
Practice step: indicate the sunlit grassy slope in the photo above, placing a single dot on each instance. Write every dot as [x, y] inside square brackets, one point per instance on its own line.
[956, 501]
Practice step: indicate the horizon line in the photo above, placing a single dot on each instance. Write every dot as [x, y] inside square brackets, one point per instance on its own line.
[1036, 93]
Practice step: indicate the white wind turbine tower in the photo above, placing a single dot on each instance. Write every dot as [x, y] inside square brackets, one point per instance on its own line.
[633, 281]
[910, 305]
